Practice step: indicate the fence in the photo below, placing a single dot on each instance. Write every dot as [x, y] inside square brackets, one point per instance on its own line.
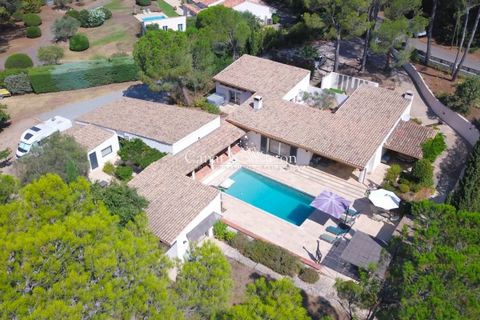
[448, 65]
[344, 82]
[461, 125]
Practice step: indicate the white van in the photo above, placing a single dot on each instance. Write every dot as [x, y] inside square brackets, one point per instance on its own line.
[39, 132]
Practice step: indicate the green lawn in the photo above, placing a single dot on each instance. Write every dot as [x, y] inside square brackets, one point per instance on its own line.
[112, 37]
[166, 8]
[115, 5]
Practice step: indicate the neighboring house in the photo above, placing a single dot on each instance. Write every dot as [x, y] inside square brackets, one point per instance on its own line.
[270, 110]
[101, 144]
[163, 22]
[256, 7]
[166, 128]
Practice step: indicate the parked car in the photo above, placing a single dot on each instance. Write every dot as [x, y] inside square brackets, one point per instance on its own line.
[420, 34]
[4, 93]
[37, 133]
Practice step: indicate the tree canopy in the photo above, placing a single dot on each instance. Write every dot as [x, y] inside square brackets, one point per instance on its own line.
[63, 256]
[60, 154]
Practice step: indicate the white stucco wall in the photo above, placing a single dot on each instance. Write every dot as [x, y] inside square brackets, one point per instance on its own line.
[303, 157]
[301, 86]
[113, 142]
[181, 244]
[262, 12]
[163, 147]
[172, 23]
[222, 90]
[196, 135]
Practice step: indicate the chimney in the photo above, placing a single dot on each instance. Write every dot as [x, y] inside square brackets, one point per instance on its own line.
[257, 102]
[408, 95]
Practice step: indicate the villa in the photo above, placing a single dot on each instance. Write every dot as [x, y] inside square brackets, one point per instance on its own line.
[256, 7]
[162, 21]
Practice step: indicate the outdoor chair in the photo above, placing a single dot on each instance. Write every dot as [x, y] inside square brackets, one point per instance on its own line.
[339, 230]
[328, 238]
[352, 212]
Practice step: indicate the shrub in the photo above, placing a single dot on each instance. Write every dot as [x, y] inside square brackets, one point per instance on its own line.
[78, 42]
[107, 12]
[84, 74]
[275, 18]
[123, 173]
[433, 147]
[34, 32]
[109, 168]
[404, 188]
[206, 106]
[18, 61]
[239, 242]
[96, 17]
[221, 232]
[62, 3]
[17, 16]
[83, 17]
[422, 172]
[136, 152]
[65, 28]
[308, 275]
[392, 174]
[32, 6]
[32, 20]
[18, 84]
[73, 14]
[9, 72]
[143, 3]
[50, 54]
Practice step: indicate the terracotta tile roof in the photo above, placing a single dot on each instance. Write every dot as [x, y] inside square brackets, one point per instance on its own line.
[407, 138]
[208, 147]
[174, 200]
[261, 75]
[89, 136]
[351, 135]
[192, 8]
[232, 3]
[156, 121]
[207, 2]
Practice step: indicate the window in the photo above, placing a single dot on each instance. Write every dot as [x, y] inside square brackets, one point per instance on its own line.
[234, 96]
[106, 151]
[180, 27]
[36, 129]
[27, 136]
[165, 28]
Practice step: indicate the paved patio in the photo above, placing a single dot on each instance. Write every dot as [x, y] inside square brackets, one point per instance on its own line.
[301, 240]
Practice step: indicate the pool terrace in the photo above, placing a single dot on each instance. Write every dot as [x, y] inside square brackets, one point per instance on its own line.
[300, 240]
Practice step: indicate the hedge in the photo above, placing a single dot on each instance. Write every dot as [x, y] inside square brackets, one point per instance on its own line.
[18, 84]
[18, 61]
[9, 72]
[34, 32]
[82, 74]
[78, 42]
[32, 20]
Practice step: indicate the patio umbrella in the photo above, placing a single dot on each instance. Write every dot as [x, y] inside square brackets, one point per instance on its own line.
[384, 199]
[330, 203]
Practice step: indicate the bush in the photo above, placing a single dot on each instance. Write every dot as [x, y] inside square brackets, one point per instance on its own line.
[433, 147]
[50, 54]
[96, 17]
[270, 255]
[32, 6]
[83, 74]
[9, 72]
[422, 172]
[308, 275]
[18, 84]
[206, 106]
[73, 13]
[18, 61]
[17, 16]
[221, 232]
[78, 42]
[83, 17]
[143, 3]
[404, 188]
[32, 20]
[109, 168]
[34, 32]
[123, 173]
[136, 152]
[392, 174]
[275, 18]
[65, 28]
[107, 12]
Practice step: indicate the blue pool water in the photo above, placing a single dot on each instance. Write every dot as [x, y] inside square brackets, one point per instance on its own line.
[153, 18]
[271, 196]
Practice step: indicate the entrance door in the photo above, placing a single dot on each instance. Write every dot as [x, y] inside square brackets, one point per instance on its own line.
[93, 160]
[263, 144]
[293, 155]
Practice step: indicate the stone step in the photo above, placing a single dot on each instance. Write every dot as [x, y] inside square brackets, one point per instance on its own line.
[315, 173]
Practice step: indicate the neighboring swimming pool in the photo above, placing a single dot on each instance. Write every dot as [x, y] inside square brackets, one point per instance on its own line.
[271, 196]
[153, 18]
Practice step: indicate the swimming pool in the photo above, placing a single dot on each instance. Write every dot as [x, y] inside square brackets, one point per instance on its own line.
[271, 196]
[153, 18]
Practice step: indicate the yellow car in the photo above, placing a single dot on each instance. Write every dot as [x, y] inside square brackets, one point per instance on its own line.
[4, 93]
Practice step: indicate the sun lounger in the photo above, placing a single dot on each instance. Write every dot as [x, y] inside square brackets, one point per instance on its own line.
[352, 212]
[328, 238]
[338, 230]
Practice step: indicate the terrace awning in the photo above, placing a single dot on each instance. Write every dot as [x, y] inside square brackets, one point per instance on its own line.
[203, 227]
[330, 203]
